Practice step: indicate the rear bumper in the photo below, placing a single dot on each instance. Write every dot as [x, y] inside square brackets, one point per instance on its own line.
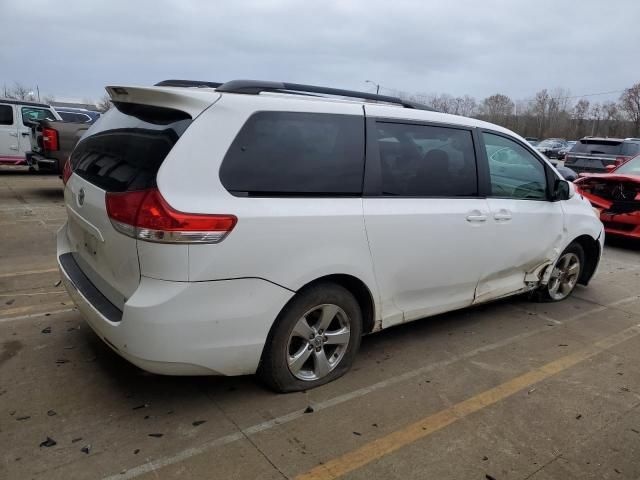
[181, 328]
[44, 163]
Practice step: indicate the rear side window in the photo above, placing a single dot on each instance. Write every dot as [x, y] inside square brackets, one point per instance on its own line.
[6, 115]
[295, 153]
[631, 149]
[124, 150]
[603, 147]
[426, 161]
[74, 117]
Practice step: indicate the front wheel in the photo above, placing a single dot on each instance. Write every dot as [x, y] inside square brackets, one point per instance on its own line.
[313, 341]
[564, 276]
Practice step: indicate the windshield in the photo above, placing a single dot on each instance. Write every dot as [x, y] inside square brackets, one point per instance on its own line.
[607, 147]
[632, 167]
[549, 143]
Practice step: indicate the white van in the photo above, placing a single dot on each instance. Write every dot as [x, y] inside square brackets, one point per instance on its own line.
[15, 133]
[261, 226]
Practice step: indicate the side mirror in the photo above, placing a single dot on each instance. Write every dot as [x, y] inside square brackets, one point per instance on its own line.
[610, 167]
[561, 190]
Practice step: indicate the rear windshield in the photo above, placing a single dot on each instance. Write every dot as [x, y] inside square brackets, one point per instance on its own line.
[124, 150]
[605, 147]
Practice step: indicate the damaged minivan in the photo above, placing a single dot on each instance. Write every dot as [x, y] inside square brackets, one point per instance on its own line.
[229, 229]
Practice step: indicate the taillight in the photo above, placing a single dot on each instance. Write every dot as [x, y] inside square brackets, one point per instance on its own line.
[620, 160]
[50, 139]
[66, 171]
[146, 215]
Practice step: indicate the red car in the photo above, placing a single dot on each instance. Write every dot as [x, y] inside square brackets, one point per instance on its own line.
[616, 195]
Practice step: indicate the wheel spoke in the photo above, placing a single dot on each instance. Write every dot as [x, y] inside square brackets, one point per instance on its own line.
[565, 261]
[328, 314]
[573, 269]
[298, 359]
[302, 329]
[553, 286]
[339, 337]
[321, 363]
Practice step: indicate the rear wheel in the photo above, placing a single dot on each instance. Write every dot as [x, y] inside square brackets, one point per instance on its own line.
[564, 276]
[314, 339]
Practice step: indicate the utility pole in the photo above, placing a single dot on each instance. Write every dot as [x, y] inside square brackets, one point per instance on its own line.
[38, 90]
[377, 85]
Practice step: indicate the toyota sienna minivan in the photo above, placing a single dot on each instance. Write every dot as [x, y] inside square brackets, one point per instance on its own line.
[229, 229]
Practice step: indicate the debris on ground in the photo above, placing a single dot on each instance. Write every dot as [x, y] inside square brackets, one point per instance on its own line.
[489, 477]
[374, 425]
[156, 435]
[51, 413]
[69, 347]
[86, 449]
[579, 416]
[563, 345]
[485, 458]
[309, 409]
[531, 391]
[10, 302]
[136, 451]
[139, 407]
[74, 440]
[625, 389]
[46, 330]
[198, 422]
[62, 361]
[57, 284]
[357, 433]
[26, 417]
[49, 442]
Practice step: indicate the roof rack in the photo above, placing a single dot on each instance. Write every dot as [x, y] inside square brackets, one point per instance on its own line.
[254, 87]
[187, 83]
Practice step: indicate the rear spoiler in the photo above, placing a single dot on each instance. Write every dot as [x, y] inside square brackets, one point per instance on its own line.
[192, 101]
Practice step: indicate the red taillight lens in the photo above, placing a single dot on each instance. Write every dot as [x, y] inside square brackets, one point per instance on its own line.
[50, 139]
[146, 215]
[66, 171]
[621, 160]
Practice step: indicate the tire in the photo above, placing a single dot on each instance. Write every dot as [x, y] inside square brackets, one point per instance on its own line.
[299, 354]
[563, 278]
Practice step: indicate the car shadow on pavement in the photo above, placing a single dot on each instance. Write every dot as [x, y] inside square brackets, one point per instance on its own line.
[623, 242]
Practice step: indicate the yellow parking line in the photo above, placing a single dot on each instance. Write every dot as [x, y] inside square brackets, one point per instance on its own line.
[27, 272]
[376, 449]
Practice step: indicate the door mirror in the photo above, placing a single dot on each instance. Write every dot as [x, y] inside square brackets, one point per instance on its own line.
[561, 190]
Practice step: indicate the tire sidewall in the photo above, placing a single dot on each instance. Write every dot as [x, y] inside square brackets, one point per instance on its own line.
[274, 367]
[576, 249]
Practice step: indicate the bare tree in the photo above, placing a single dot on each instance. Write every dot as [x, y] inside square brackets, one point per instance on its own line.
[580, 115]
[21, 92]
[104, 103]
[497, 108]
[630, 104]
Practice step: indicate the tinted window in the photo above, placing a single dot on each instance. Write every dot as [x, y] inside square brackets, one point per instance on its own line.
[426, 161]
[515, 172]
[630, 149]
[36, 114]
[126, 148]
[6, 115]
[607, 147]
[73, 117]
[291, 153]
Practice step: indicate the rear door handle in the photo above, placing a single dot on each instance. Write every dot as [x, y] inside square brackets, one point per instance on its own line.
[476, 217]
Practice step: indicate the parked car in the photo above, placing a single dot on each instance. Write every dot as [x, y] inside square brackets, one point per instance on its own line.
[598, 154]
[15, 116]
[52, 143]
[617, 196]
[77, 115]
[533, 141]
[551, 147]
[563, 151]
[568, 174]
[233, 229]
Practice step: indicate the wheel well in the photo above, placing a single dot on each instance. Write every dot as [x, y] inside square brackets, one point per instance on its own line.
[591, 249]
[359, 290]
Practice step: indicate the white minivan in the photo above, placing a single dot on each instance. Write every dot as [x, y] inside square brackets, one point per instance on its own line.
[265, 227]
[15, 132]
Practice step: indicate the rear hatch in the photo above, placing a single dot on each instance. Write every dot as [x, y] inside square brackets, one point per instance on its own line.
[120, 154]
[595, 154]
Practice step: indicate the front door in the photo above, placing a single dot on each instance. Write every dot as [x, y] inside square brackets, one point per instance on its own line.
[527, 227]
[426, 225]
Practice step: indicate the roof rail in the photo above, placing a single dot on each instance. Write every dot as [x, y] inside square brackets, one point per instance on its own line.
[254, 87]
[187, 83]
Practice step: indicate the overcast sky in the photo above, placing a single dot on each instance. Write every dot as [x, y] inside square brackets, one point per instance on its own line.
[73, 49]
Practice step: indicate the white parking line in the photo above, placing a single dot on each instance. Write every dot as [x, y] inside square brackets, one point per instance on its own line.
[153, 465]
